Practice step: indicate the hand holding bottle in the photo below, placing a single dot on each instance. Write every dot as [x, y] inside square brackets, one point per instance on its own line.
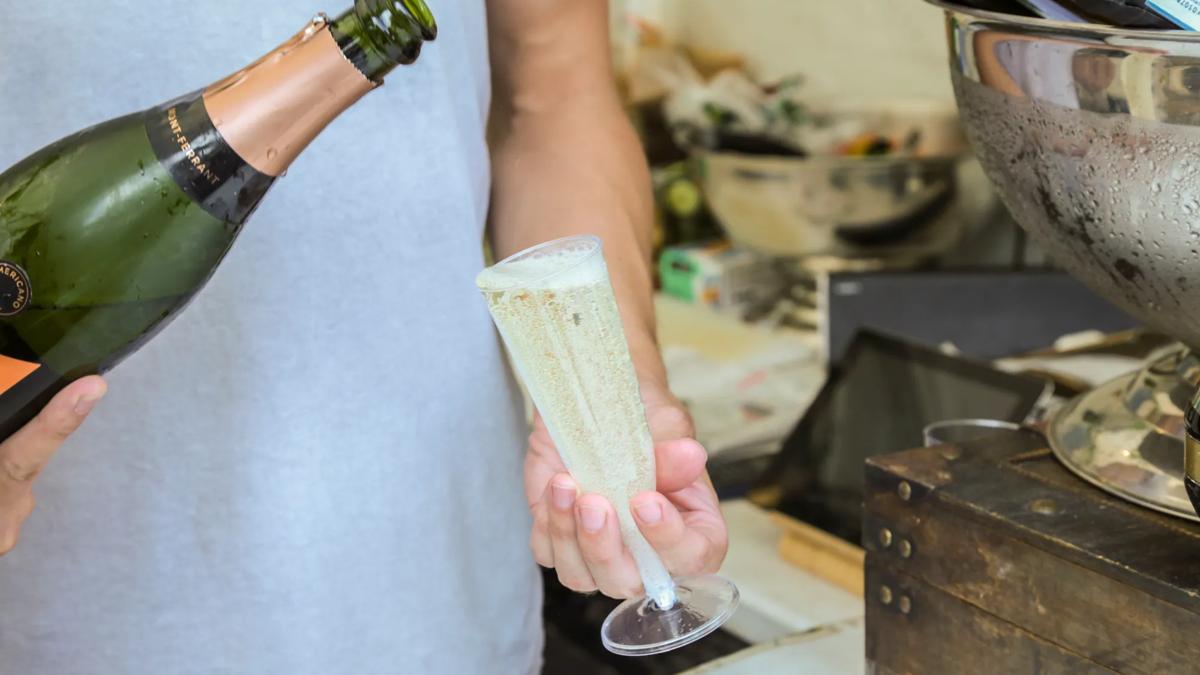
[108, 233]
[25, 453]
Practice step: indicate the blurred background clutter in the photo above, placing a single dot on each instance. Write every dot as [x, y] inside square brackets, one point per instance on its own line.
[835, 272]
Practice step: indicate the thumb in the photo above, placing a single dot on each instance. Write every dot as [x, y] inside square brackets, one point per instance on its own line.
[678, 463]
[23, 454]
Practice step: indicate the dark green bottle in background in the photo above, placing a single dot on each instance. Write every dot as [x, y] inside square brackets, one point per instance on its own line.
[106, 235]
[1191, 453]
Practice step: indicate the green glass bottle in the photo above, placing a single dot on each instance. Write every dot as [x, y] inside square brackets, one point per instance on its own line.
[1191, 453]
[106, 234]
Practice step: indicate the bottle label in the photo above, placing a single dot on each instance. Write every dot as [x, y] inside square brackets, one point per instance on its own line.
[14, 371]
[207, 169]
[15, 289]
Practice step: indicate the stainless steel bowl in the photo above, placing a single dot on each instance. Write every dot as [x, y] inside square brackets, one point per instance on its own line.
[890, 206]
[1091, 135]
[832, 206]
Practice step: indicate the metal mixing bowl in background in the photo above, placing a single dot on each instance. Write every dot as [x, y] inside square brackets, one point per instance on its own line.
[893, 206]
[1091, 135]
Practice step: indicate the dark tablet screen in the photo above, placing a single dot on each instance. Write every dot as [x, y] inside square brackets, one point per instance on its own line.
[876, 401]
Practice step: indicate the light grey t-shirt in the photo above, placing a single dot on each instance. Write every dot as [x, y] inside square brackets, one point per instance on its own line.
[317, 467]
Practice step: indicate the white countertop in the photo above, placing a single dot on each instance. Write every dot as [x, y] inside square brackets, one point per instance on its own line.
[777, 598]
[790, 615]
[836, 649]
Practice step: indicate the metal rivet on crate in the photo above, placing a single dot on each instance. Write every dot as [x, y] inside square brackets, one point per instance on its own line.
[885, 537]
[905, 548]
[905, 604]
[904, 490]
[885, 595]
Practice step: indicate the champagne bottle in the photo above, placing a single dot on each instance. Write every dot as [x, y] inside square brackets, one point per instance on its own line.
[107, 234]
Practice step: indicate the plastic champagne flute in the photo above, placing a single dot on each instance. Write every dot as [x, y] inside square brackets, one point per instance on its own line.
[554, 307]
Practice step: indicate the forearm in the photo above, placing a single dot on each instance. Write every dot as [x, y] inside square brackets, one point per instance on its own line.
[565, 161]
[574, 166]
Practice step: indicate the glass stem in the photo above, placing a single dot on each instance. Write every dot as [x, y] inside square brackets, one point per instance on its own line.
[660, 588]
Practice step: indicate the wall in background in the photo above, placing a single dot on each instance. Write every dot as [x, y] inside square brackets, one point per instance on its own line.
[855, 48]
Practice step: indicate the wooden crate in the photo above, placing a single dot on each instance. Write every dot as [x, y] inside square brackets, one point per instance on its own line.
[994, 559]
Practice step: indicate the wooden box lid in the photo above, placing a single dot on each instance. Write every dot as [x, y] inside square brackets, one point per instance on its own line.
[995, 551]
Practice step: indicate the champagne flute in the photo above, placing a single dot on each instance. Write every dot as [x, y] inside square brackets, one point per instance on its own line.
[554, 307]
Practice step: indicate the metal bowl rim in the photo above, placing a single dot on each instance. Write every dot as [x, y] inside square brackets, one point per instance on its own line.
[1173, 35]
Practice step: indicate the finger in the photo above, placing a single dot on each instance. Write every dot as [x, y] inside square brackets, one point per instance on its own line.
[541, 461]
[539, 538]
[538, 473]
[685, 548]
[12, 516]
[610, 564]
[669, 420]
[13, 496]
[568, 559]
[23, 454]
[678, 463]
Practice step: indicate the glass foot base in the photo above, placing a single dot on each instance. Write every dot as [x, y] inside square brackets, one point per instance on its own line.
[639, 628]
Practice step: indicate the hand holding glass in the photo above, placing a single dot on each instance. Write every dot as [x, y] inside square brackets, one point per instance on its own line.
[555, 309]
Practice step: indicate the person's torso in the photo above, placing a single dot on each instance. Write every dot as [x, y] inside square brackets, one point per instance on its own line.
[300, 473]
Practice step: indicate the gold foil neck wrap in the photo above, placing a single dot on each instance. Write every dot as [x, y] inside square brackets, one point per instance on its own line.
[271, 110]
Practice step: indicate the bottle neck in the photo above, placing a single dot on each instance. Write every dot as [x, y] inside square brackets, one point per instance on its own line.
[271, 110]
[379, 35]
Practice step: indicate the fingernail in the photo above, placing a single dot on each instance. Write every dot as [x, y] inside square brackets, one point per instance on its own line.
[592, 518]
[563, 497]
[649, 512]
[85, 403]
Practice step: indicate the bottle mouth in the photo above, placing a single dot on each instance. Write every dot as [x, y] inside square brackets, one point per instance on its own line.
[378, 35]
[419, 12]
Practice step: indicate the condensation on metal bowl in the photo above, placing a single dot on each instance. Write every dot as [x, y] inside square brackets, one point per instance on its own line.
[1091, 135]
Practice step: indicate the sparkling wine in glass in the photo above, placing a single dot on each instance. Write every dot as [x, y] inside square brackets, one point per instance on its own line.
[555, 309]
